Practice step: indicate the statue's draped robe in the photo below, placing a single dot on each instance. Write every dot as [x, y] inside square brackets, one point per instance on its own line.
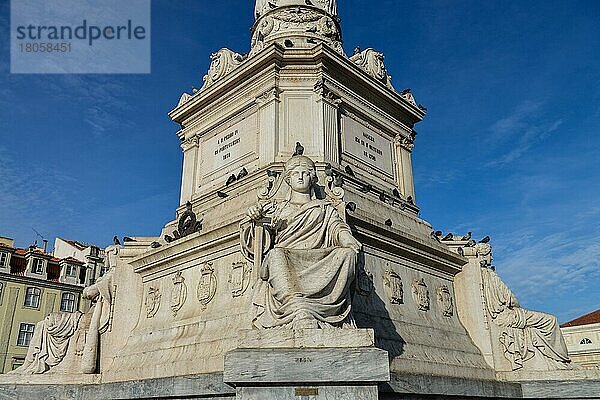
[50, 342]
[58, 331]
[308, 272]
[524, 330]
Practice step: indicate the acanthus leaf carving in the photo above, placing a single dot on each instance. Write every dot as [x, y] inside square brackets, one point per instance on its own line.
[189, 143]
[299, 25]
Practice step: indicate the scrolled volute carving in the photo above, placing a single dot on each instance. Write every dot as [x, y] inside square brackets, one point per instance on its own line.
[185, 97]
[372, 62]
[222, 63]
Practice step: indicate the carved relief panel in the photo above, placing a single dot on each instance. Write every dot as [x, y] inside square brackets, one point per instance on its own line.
[393, 286]
[364, 282]
[207, 287]
[420, 294]
[239, 278]
[179, 293]
[445, 301]
[152, 301]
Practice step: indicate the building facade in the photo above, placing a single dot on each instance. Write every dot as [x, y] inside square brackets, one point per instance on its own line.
[582, 336]
[33, 284]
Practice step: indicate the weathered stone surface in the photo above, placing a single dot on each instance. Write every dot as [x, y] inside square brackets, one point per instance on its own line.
[258, 366]
[308, 392]
[186, 387]
[401, 386]
[307, 338]
[431, 385]
[564, 390]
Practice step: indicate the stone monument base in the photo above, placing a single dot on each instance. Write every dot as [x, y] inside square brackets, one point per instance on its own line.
[291, 374]
[560, 384]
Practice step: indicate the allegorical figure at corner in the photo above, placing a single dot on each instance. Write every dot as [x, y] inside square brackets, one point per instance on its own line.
[305, 279]
[69, 342]
[525, 332]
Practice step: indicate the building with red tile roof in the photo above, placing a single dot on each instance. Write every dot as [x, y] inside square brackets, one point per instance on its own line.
[582, 336]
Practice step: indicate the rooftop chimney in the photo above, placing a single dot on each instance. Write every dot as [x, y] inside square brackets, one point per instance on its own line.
[45, 245]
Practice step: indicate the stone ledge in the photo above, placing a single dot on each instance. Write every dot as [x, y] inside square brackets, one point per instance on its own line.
[557, 375]
[48, 379]
[564, 390]
[251, 367]
[308, 338]
[431, 385]
[211, 386]
[208, 386]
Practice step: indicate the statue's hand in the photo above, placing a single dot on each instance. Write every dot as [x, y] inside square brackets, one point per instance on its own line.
[348, 241]
[255, 212]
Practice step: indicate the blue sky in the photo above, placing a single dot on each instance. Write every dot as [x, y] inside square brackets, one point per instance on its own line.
[509, 147]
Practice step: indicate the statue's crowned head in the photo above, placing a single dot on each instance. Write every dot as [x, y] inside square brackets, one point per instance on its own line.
[299, 160]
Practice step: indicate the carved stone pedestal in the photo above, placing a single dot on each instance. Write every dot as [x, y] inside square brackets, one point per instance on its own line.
[327, 373]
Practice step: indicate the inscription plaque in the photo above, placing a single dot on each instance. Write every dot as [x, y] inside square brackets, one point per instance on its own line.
[367, 146]
[230, 145]
[306, 392]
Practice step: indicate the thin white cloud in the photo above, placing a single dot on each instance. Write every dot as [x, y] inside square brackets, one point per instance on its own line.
[512, 124]
[544, 264]
[512, 136]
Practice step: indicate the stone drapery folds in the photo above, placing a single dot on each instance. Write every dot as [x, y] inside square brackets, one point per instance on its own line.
[304, 280]
[525, 334]
[50, 342]
[62, 333]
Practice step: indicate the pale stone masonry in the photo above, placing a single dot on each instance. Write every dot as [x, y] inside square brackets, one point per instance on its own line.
[298, 265]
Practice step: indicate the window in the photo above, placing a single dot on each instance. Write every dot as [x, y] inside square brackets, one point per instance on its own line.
[67, 303]
[17, 364]
[585, 341]
[103, 270]
[1, 291]
[38, 266]
[32, 297]
[25, 334]
[71, 270]
[3, 259]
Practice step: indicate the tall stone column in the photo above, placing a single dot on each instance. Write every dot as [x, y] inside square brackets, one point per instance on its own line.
[190, 168]
[268, 125]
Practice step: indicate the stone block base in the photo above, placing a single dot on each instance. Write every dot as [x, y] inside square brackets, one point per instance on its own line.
[306, 373]
[249, 367]
[308, 392]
